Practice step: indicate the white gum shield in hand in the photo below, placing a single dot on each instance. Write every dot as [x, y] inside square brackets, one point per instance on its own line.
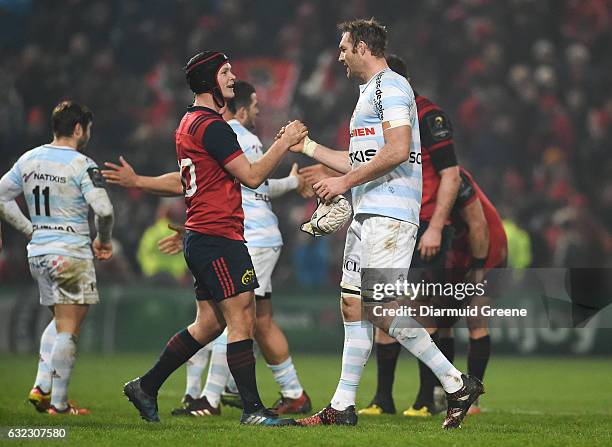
[328, 217]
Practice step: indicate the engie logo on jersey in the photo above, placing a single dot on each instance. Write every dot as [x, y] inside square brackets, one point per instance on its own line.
[362, 132]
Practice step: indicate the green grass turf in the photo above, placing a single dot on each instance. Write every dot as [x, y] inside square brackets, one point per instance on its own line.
[529, 402]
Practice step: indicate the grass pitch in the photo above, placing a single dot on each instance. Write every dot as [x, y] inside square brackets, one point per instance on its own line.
[529, 402]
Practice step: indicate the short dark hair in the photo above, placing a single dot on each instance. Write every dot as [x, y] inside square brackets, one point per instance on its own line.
[398, 65]
[68, 114]
[242, 96]
[369, 31]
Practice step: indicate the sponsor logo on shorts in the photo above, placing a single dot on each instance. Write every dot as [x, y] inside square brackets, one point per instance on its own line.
[351, 265]
[248, 277]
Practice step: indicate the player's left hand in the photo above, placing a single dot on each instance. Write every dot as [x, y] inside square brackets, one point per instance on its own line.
[123, 175]
[300, 178]
[429, 244]
[329, 188]
[102, 251]
[281, 131]
[172, 244]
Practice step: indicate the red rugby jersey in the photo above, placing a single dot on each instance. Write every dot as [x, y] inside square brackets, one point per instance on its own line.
[205, 143]
[461, 254]
[437, 151]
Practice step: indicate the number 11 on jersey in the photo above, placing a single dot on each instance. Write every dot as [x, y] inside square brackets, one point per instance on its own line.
[45, 193]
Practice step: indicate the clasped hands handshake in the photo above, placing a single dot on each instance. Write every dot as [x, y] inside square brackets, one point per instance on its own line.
[317, 179]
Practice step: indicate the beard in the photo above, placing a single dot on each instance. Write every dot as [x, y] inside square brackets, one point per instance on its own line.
[82, 143]
[250, 125]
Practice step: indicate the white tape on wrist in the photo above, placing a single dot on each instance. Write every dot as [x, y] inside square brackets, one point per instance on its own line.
[398, 123]
[309, 147]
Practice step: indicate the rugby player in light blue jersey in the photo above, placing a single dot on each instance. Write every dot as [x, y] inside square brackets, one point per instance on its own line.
[60, 184]
[383, 171]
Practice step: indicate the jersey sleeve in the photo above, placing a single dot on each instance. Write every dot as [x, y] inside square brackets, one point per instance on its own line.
[10, 184]
[251, 147]
[437, 136]
[221, 142]
[394, 99]
[90, 177]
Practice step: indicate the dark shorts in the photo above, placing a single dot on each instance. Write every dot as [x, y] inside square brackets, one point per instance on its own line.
[495, 279]
[433, 269]
[221, 267]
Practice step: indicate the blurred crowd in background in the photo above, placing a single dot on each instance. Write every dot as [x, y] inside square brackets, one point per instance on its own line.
[527, 84]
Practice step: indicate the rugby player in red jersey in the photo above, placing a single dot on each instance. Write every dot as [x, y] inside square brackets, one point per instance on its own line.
[480, 244]
[212, 167]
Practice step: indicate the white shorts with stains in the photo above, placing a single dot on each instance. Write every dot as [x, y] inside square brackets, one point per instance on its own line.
[376, 242]
[64, 279]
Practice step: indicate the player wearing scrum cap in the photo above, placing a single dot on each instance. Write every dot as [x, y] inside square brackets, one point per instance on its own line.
[212, 166]
[264, 242]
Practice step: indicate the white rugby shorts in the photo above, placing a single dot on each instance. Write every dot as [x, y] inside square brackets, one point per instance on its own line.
[376, 242]
[64, 279]
[264, 260]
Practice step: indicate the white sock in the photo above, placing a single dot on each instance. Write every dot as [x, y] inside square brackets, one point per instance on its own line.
[218, 371]
[358, 338]
[231, 385]
[412, 336]
[45, 370]
[195, 367]
[62, 360]
[286, 376]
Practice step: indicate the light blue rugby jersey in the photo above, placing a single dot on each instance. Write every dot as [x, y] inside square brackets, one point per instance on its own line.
[54, 180]
[387, 96]
[260, 222]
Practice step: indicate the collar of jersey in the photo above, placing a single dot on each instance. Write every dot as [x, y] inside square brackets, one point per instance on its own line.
[64, 148]
[362, 87]
[202, 108]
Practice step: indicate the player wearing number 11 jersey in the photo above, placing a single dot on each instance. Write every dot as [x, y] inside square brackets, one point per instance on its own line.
[59, 184]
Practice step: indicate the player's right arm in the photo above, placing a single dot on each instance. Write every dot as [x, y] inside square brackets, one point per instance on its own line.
[478, 236]
[168, 184]
[254, 174]
[473, 216]
[472, 213]
[93, 188]
[335, 159]
[10, 188]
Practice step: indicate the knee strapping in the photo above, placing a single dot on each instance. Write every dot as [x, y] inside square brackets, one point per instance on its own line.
[349, 291]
